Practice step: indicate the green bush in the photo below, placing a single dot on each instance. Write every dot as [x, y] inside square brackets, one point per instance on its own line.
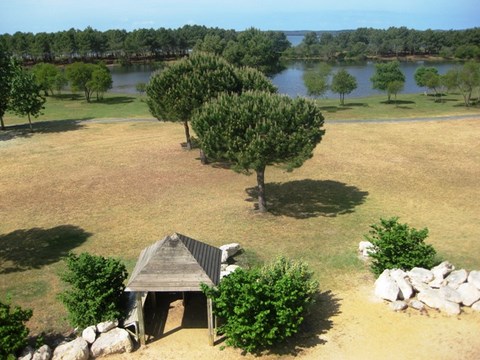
[13, 332]
[95, 289]
[261, 307]
[397, 246]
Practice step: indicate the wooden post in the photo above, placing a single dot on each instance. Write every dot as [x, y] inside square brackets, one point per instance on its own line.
[211, 335]
[141, 322]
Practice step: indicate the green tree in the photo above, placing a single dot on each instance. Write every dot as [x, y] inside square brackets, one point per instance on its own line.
[256, 129]
[25, 96]
[100, 81]
[80, 75]
[386, 73]
[263, 307]
[343, 83]
[13, 332]
[422, 74]
[176, 92]
[7, 71]
[316, 80]
[46, 75]
[94, 290]
[464, 79]
[394, 87]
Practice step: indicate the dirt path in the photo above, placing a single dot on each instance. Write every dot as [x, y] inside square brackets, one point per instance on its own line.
[359, 327]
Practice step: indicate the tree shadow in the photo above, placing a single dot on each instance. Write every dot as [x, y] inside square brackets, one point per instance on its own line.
[397, 102]
[318, 322]
[357, 104]
[333, 109]
[34, 248]
[42, 127]
[116, 100]
[308, 198]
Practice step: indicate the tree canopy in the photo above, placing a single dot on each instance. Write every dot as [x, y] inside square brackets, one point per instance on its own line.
[256, 129]
[7, 71]
[316, 79]
[89, 78]
[385, 74]
[174, 93]
[343, 83]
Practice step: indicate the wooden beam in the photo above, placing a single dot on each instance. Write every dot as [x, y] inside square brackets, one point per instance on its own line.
[141, 322]
[211, 334]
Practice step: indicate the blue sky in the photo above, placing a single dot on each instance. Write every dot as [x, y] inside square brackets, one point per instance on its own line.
[56, 15]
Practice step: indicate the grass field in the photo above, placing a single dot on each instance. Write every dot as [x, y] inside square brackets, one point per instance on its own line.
[112, 189]
[73, 107]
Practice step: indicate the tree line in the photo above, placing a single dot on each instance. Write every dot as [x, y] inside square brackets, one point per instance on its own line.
[392, 42]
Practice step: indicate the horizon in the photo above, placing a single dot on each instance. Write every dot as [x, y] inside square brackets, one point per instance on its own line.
[49, 16]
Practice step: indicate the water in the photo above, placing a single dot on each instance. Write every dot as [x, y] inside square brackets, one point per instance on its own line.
[290, 80]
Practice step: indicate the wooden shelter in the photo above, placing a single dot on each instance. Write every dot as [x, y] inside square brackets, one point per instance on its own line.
[175, 264]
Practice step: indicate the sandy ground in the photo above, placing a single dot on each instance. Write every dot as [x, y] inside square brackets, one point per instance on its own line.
[355, 325]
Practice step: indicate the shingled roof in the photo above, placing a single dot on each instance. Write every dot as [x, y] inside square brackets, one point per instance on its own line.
[176, 263]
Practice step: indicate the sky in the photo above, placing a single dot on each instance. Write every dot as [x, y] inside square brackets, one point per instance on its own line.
[57, 15]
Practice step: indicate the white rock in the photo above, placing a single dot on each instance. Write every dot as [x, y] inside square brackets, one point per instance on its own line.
[386, 288]
[431, 298]
[106, 326]
[420, 274]
[115, 341]
[223, 267]
[366, 248]
[406, 289]
[232, 268]
[27, 353]
[42, 353]
[469, 293]
[229, 250]
[398, 305]
[456, 278]
[419, 285]
[474, 278]
[450, 308]
[74, 350]
[417, 305]
[450, 294]
[442, 269]
[476, 306]
[89, 334]
[437, 282]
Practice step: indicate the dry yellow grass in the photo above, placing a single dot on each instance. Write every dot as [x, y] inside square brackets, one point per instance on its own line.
[112, 189]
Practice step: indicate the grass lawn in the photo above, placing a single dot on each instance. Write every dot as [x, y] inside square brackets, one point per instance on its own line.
[74, 107]
[113, 189]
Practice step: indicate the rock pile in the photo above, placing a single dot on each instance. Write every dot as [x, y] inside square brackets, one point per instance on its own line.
[103, 339]
[441, 287]
[228, 251]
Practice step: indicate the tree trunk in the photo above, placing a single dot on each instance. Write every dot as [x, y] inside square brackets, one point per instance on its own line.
[2, 124]
[187, 135]
[30, 122]
[262, 201]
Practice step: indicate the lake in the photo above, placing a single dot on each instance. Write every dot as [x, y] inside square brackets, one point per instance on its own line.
[290, 80]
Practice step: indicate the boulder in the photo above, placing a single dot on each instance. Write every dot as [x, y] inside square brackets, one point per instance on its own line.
[229, 250]
[474, 278]
[398, 305]
[27, 353]
[437, 282]
[42, 353]
[420, 275]
[386, 288]
[418, 285]
[476, 306]
[417, 305]
[431, 298]
[450, 294]
[89, 334]
[228, 270]
[366, 247]
[406, 289]
[450, 308]
[456, 278]
[74, 350]
[469, 294]
[442, 270]
[105, 326]
[115, 341]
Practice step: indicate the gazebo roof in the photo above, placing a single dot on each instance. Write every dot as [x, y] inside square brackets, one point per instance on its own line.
[176, 263]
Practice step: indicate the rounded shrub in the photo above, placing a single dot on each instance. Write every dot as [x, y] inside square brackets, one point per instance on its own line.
[398, 246]
[13, 331]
